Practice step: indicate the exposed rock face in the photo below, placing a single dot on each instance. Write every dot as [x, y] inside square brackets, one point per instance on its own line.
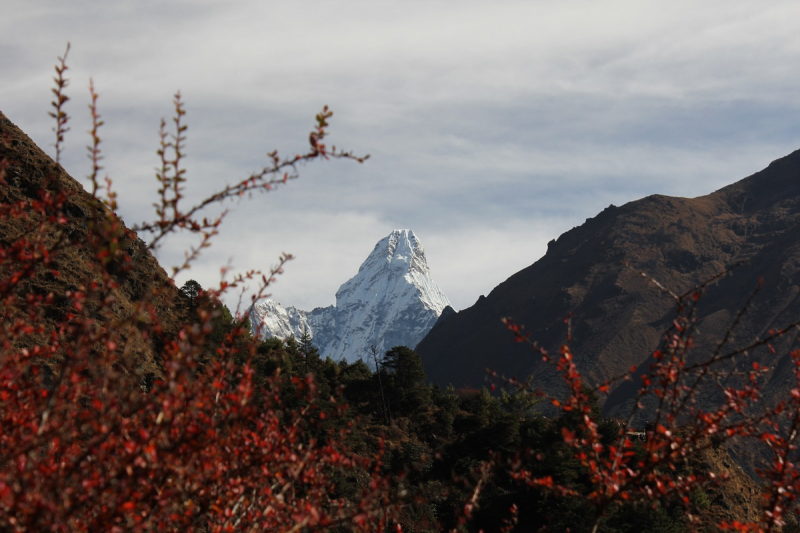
[736, 497]
[271, 319]
[392, 301]
[619, 316]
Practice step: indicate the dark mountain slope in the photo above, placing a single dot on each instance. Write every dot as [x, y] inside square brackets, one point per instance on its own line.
[27, 174]
[619, 316]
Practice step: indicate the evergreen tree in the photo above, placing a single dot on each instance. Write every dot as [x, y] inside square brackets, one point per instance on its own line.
[521, 402]
[192, 290]
[374, 352]
[295, 358]
[270, 356]
[406, 390]
[222, 324]
[222, 321]
[447, 408]
[308, 351]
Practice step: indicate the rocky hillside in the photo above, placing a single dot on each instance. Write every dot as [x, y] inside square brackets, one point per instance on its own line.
[619, 317]
[28, 174]
[735, 498]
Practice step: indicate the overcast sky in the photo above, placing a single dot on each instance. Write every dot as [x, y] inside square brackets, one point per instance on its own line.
[492, 127]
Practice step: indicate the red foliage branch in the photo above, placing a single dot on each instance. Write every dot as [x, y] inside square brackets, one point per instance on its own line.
[681, 429]
[88, 443]
[61, 98]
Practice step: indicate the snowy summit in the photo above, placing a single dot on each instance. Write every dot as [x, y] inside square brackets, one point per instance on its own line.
[392, 301]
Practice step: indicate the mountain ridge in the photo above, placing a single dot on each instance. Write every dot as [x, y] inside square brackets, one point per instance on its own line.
[618, 316]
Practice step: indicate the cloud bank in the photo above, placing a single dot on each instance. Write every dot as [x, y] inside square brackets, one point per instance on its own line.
[493, 127]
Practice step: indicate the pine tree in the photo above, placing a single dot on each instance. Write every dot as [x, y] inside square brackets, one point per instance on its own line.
[384, 410]
[405, 383]
[192, 290]
[308, 351]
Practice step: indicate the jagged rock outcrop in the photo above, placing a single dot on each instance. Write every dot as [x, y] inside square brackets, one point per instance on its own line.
[391, 301]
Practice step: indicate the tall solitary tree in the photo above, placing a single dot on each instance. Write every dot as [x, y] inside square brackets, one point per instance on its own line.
[308, 350]
[192, 290]
[374, 352]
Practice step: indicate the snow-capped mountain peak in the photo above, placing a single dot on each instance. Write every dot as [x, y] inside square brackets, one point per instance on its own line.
[401, 250]
[391, 301]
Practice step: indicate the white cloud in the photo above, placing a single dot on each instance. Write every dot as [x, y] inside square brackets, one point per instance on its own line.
[492, 126]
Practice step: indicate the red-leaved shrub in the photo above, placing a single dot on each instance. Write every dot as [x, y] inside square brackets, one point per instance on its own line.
[116, 413]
